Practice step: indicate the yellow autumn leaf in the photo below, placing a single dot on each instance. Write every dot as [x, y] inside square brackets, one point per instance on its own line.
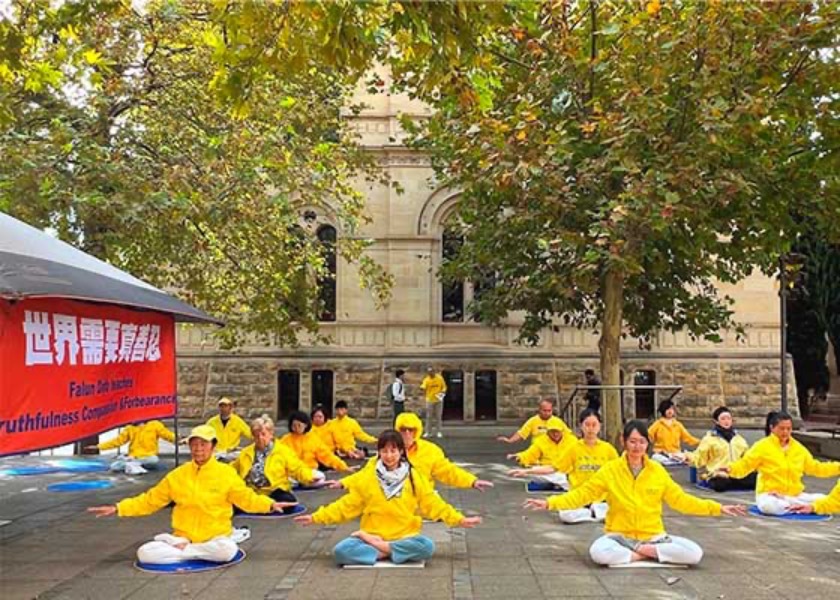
[68, 33]
[92, 56]
[653, 7]
[398, 8]
[521, 135]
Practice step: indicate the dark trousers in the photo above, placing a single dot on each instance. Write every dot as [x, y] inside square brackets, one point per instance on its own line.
[399, 408]
[284, 496]
[724, 484]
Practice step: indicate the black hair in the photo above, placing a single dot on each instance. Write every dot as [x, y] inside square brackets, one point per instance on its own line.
[589, 412]
[301, 416]
[391, 437]
[664, 406]
[635, 425]
[588, 372]
[318, 408]
[774, 417]
[400, 373]
[341, 404]
[719, 411]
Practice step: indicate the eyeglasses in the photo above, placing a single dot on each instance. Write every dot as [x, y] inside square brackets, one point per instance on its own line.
[406, 429]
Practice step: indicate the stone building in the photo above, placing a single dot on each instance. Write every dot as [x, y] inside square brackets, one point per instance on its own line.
[490, 377]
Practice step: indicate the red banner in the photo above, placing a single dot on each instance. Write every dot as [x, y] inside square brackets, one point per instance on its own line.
[69, 370]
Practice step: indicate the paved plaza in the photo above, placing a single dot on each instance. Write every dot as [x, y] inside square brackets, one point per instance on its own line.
[51, 549]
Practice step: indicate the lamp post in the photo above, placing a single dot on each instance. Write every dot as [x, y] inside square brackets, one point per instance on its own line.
[783, 291]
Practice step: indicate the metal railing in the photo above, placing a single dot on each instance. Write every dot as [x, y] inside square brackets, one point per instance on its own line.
[571, 410]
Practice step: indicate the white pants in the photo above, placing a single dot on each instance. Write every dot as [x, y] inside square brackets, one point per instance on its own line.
[317, 476]
[121, 462]
[666, 460]
[162, 550]
[773, 505]
[607, 550]
[558, 479]
[596, 512]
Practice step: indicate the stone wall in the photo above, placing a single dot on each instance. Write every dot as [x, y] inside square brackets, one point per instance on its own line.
[750, 386]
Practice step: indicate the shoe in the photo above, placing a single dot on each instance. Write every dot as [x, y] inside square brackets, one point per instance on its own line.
[134, 469]
[240, 534]
[439, 434]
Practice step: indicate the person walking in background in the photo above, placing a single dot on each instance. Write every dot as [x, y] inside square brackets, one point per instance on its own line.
[397, 393]
[593, 397]
[434, 388]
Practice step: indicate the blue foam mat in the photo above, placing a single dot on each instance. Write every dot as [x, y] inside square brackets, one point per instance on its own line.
[60, 466]
[79, 486]
[16, 471]
[535, 487]
[190, 566]
[753, 510]
[296, 510]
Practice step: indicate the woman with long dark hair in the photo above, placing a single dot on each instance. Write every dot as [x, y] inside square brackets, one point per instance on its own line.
[635, 488]
[391, 501]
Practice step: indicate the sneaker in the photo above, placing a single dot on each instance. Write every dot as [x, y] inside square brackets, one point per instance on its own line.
[133, 468]
[241, 534]
[439, 434]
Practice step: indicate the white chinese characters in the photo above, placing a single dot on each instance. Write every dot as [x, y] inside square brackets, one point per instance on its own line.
[56, 339]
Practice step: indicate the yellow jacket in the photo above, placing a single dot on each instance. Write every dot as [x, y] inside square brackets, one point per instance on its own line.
[279, 466]
[635, 503]
[667, 437]
[536, 427]
[582, 461]
[780, 469]
[829, 504]
[142, 439]
[545, 451]
[228, 436]
[346, 431]
[203, 498]
[715, 453]
[393, 519]
[311, 451]
[433, 386]
[326, 434]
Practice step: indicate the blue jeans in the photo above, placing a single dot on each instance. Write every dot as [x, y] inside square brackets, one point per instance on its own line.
[353, 551]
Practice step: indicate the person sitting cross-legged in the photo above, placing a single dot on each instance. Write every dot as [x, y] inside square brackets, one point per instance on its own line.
[666, 435]
[230, 428]
[142, 439]
[546, 450]
[390, 502]
[204, 492]
[581, 461]
[720, 447]
[781, 462]
[635, 488]
[267, 466]
[347, 432]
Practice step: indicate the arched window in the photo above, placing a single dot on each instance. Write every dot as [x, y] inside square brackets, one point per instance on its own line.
[452, 291]
[327, 282]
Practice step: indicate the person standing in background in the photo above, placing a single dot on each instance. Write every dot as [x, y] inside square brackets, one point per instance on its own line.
[434, 388]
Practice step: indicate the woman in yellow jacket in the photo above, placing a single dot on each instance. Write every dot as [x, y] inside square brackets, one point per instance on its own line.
[308, 448]
[635, 488]
[581, 461]
[269, 467]
[667, 433]
[390, 502]
[546, 450]
[322, 427]
[781, 462]
[142, 439]
[425, 457]
[204, 492]
[720, 447]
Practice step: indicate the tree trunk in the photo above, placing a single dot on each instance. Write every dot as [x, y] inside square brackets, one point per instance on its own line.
[608, 345]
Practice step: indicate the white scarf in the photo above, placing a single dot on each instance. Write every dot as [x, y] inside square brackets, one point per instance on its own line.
[392, 482]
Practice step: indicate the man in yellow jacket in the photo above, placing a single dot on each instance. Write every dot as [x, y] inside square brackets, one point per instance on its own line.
[346, 430]
[142, 440]
[781, 461]
[635, 488]
[390, 499]
[425, 456]
[269, 467]
[204, 492]
[434, 390]
[546, 450]
[230, 429]
[536, 425]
